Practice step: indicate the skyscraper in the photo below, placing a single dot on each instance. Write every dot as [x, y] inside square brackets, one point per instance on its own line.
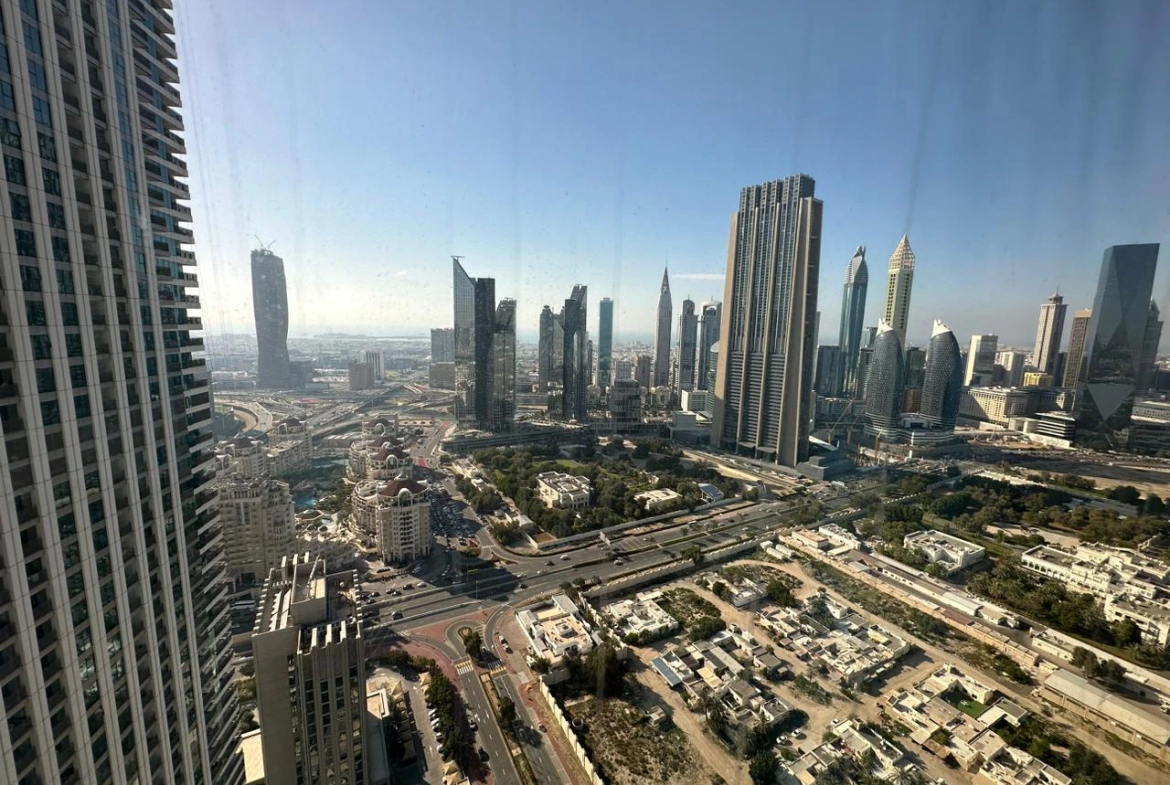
[915, 367]
[270, 307]
[604, 341]
[576, 374]
[114, 633]
[710, 319]
[688, 336]
[827, 375]
[768, 341]
[868, 336]
[662, 335]
[502, 398]
[898, 291]
[1077, 339]
[642, 370]
[942, 384]
[1153, 337]
[852, 318]
[1048, 335]
[464, 327]
[1012, 362]
[442, 345]
[259, 529]
[484, 329]
[544, 348]
[1117, 336]
[885, 383]
[376, 359]
[981, 360]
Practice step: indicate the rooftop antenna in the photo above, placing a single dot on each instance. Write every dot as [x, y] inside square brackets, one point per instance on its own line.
[263, 245]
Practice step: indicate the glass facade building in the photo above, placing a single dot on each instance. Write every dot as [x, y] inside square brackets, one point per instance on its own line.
[270, 307]
[886, 381]
[576, 356]
[852, 321]
[662, 334]
[710, 321]
[1115, 346]
[901, 282]
[604, 341]
[942, 379]
[464, 326]
[688, 336]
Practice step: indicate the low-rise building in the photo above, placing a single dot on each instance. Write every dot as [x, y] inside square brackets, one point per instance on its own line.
[839, 536]
[641, 617]
[658, 499]
[949, 552]
[564, 491]
[555, 629]
[1128, 721]
[1012, 766]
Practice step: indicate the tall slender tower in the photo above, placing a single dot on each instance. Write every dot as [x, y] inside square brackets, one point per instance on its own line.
[485, 329]
[768, 342]
[1048, 335]
[688, 335]
[604, 341]
[1077, 339]
[1117, 335]
[981, 360]
[710, 319]
[942, 383]
[662, 335]
[464, 322]
[502, 401]
[852, 319]
[1153, 337]
[270, 307]
[898, 292]
[114, 632]
[576, 355]
[544, 349]
[885, 383]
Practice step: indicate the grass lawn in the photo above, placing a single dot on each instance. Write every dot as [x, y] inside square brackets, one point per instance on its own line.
[970, 707]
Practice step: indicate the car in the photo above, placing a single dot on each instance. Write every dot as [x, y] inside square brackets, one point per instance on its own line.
[521, 585]
[483, 755]
[396, 615]
[565, 557]
[550, 563]
[619, 561]
[473, 725]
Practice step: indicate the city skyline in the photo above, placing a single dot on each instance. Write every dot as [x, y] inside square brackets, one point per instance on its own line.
[622, 202]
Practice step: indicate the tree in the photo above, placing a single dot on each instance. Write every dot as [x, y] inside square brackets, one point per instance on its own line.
[720, 590]
[1154, 505]
[1126, 494]
[779, 593]
[763, 768]
[473, 643]
[507, 714]
[695, 554]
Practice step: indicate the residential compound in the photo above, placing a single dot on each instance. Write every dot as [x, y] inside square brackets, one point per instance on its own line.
[640, 617]
[379, 453]
[282, 457]
[393, 517]
[658, 499]
[566, 491]
[555, 629]
[310, 676]
[849, 738]
[950, 553]
[1129, 584]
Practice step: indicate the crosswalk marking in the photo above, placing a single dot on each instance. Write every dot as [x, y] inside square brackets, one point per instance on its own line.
[498, 669]
[464, 666]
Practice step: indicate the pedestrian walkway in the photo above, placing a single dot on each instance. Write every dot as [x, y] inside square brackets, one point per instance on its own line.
[464, 666]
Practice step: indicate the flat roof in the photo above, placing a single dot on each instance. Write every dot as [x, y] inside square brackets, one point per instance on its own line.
[666, 672]
[1070, 685]
[251, 747]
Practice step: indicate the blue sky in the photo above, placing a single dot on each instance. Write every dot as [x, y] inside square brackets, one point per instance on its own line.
[554, 143]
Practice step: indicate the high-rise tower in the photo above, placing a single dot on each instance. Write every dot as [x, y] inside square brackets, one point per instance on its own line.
[576, 356]
[852, 319]
[270, 307]
[898, 291]
[942, 383]
[484, 330]
[981, 360]
[710, 320]
[662, 335]
[688, 335]
[1153, 337]
[115, 641]
[768, 342]
[502, 400]
[1078, 338]
[1048, 335]
[544, 349]
[885, 382]
[464, 326]
[604, 341]
[1117, 335]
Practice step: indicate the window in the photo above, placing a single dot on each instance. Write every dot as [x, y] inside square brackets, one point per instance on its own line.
[47, 146]
[61, 249]
[77, 375]
[73, 347]
[30, 8]
[69, 314]
[14, 170]
[30, 278]
[52, 182]
[32, 38]
[7, 96]
[35, 311]
[45, 380]
[36, 75]
[81, 405]
[56, 216]
[50, 413]
[26, 242]
[65, 282]
[21, 208]
[9, 132]
[42, 347]
[41, 112]
[5, 66]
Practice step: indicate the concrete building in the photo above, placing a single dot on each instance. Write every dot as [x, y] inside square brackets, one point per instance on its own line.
[395, 516]
[623, 370]
[1037, 379]
[564, 491]
[361, 376]
[662, 335]
[442, 376]
[310, 676]
[1149, 356]
[1049, 334]
[901, 280]
[642, 370]
[994, 404]
[981, 361]
[604, 342]
[658, 499]
[688, 337]
[640, 617]
[555, 629]
[376, 359]
[442, 345]
[852, 320]
[625, 402]
[763, 402]
[1078, 340]
[270, 308]
[259, 530]
[951, 553]
[1013, 363]
[1147, 731]
[710, 321]
[1115, 346]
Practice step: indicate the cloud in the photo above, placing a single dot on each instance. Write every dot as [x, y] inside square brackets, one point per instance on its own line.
[699, 276]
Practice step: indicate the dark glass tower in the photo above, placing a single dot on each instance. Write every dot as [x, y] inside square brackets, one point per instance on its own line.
[604, 341]
[464, 323]
[544, 349]
[1153, 337]
[688, 335]
[662, 335]
[885, 382]
[502, 396]
[710, 320]
[484, 369]
[768, 341]
[1117, 336]
[576, 356]
[942, 382]
[852, 321]
[270, 307]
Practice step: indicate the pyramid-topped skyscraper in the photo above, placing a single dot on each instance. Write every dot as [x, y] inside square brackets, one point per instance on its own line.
[898, 293]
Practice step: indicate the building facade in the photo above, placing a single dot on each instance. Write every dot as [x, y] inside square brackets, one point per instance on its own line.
[625, 402]
[114, 632]
[464, 335]
[270, 308]
[575, 381]
[1150, 343]
[259, 529]
[643, 370]
[361, 376]
[942, 384]
[688, 337]
[1116, 342]
[604, 342]
[394, 516]
[827, 376]
[502, 380]
[768, 340]
[710, 320]
[981, 360]
[901, 280]
[662, 334]
[852, 319]
[442, 345]
[885, 383]
[1078, 339]
[309, 657]
[1049, 334]
[564, 491]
